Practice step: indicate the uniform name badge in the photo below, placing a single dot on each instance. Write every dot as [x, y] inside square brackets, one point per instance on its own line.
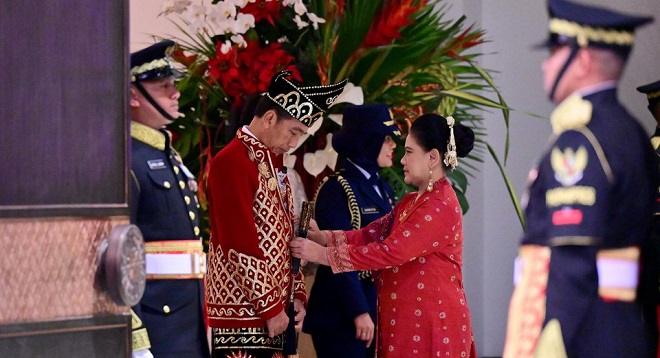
[369, 210]
[156, 164]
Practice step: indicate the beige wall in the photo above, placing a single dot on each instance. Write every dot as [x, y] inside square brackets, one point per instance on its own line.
[145, 23]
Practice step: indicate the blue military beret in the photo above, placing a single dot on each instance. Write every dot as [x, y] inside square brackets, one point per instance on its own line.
[652, 91]
[590, 26]
[154, 62]
[369, 118]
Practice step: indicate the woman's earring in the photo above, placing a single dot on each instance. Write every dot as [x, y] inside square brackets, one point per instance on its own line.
[430, 186]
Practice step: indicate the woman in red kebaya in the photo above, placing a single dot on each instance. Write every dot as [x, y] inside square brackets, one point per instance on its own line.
[417, 248]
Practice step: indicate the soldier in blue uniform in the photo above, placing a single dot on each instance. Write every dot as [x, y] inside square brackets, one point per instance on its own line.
[589, 201]
[341, 313]
[651, 273]
[168, 321]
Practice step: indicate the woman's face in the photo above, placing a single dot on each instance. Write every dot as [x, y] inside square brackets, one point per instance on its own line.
[386, 154]
[415, 163]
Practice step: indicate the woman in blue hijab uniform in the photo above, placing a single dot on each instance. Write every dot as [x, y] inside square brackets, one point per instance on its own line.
[341, 314]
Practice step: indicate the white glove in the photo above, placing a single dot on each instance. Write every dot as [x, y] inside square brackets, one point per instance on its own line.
[143, 353]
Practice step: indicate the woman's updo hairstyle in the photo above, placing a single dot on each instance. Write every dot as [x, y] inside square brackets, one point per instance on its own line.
[432, 131]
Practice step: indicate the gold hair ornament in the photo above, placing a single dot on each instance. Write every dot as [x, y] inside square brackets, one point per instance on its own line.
[451, 159]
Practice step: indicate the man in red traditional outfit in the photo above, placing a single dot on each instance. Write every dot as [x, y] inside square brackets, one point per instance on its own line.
[250, 282]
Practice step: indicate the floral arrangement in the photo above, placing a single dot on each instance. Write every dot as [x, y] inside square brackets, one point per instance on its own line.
[403, 53]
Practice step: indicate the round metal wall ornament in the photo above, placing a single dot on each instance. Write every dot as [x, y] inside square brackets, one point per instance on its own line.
[122, 265]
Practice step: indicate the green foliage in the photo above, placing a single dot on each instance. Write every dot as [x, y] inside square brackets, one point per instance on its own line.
[428, 65]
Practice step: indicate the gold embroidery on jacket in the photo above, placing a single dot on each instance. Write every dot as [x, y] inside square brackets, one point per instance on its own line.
[264, 280]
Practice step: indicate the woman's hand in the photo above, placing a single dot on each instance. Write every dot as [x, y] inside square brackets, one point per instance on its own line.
[315, 234]
[300, 313]
[308, 250]
[364, 328]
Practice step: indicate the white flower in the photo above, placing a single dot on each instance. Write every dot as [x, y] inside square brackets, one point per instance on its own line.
[301, 24]
[283, 39]
[315, 20]
[225, 47]
[225, 26]
[225, 8]
[177, 6]
[241, 3]
[299, 7]
[195, 13]
[243, 23]
[240, 41]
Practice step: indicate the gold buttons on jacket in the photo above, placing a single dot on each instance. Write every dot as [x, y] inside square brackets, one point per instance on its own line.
[176, 170]
[167, 184]
[187, 199]
[192, 215]
[182, 184]
[196, 231]
[166, 309]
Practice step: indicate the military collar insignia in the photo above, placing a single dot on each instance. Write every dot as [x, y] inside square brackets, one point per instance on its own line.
[574, 112]
[655, 142]
[150, 136]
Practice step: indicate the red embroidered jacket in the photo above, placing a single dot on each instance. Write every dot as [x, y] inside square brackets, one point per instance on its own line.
[249, 278]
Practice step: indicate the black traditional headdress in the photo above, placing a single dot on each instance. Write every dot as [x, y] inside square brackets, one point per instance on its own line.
[306, 104]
